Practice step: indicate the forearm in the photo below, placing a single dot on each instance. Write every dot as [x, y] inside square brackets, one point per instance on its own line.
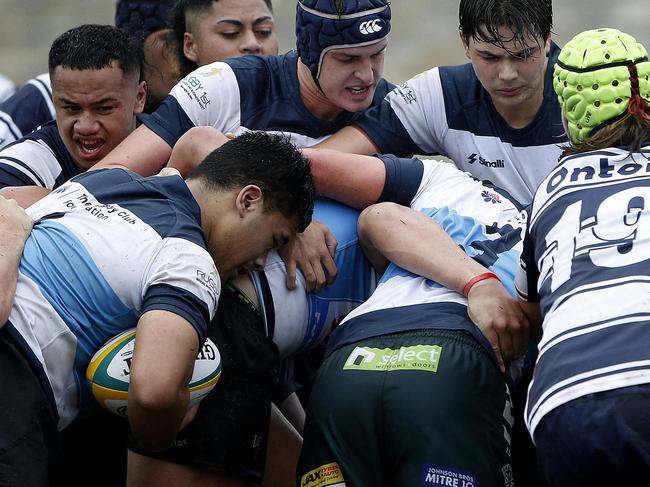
[418, 244]
[350, 139]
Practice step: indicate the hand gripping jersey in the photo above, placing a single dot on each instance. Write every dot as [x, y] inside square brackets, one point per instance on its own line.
[26, 110]
[38, 159]
[484, 222]
[447, 111]
[303, 320]
[107, 246]
[586, 261]
[246, 93]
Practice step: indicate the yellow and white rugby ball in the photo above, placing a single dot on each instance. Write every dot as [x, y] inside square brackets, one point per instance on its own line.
[109, 371]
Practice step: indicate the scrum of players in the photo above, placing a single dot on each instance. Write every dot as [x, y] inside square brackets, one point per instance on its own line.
[382, 319]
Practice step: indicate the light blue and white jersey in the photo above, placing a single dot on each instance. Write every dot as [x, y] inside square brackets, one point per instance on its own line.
[246, 93]
[26, 110]
[586, 260]
[484, 222]
[107, 246]
[447, 111]
[303, 320]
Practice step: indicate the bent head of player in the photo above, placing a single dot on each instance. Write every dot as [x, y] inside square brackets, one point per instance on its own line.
[343, 44]
[255, 193]
[97, 89]
[507, 42]
[602, 83]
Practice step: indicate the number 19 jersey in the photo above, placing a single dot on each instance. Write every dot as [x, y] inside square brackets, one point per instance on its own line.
[586, 261]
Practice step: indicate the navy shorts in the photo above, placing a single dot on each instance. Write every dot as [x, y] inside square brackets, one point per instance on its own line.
[426, 407]
[598, 439]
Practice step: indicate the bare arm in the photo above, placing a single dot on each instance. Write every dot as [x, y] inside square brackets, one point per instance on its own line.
[534, 315]
[15, 226]
[415, 242]
[350, 139]
[193, 147]
[353, 179]
[163, 360]
[143, 151]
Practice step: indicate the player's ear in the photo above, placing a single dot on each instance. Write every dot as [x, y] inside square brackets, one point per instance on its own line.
[249, 199]
[189, 47]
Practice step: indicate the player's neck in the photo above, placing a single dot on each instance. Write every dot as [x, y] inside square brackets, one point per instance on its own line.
[312, 96]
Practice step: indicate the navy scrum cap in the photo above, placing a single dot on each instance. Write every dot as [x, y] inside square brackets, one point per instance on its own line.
[323, 25]
[142, 17]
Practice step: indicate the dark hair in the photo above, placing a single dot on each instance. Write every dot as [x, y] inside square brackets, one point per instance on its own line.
[178, 22]
[92, 46]
[269, 161]
[480, 20]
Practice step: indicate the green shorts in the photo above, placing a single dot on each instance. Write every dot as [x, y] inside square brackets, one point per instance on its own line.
[418, 408]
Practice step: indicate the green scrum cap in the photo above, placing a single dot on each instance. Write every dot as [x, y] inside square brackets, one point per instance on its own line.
[595, 79]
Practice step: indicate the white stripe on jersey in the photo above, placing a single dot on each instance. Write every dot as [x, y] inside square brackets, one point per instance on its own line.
[38, 157]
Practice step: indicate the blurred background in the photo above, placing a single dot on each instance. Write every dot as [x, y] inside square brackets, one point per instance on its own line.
[424, 31]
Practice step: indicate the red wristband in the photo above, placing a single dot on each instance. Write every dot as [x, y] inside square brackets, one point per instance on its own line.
[475, 279]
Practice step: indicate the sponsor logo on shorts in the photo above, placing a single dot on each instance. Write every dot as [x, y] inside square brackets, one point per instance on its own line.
[489, 196]
[325, 475]
[447, 477]
[371, 26]
[417, 357]
[472, 158]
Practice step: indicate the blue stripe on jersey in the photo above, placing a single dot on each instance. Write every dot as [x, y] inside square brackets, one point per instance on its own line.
[9, 126]
[49, 134]
[403, 178]
[469, 108]
[612, 346]
[11, 176]
[385, 129]
[154, 200]
[169, 121]
[180, 302]
[27, 108]
[441, 316]
[73, 285]
[355, 274]
[490, 246]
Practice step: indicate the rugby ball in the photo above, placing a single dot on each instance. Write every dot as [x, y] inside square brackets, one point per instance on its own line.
[109, 371]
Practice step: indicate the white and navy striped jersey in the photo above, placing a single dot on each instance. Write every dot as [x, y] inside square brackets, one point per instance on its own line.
[37, 159]
[447, 111]
[26, 110]
[303, 320]
[246, 93]
[585, 260]
[107, 246]
[484, 222]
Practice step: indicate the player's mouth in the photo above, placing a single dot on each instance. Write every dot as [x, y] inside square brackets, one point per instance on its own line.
[509, 92]
[359, 92]
[89, 149]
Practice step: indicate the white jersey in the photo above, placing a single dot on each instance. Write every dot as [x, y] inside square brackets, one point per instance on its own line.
[586, 258]
[486, 224]
[106, 247]
[447, 111]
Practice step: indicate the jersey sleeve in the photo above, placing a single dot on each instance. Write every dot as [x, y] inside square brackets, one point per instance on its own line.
[209, 96]
[527, 273]
[182, 279]
[28, 163]
[411, 119]
[403, 178]
[27, 109]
